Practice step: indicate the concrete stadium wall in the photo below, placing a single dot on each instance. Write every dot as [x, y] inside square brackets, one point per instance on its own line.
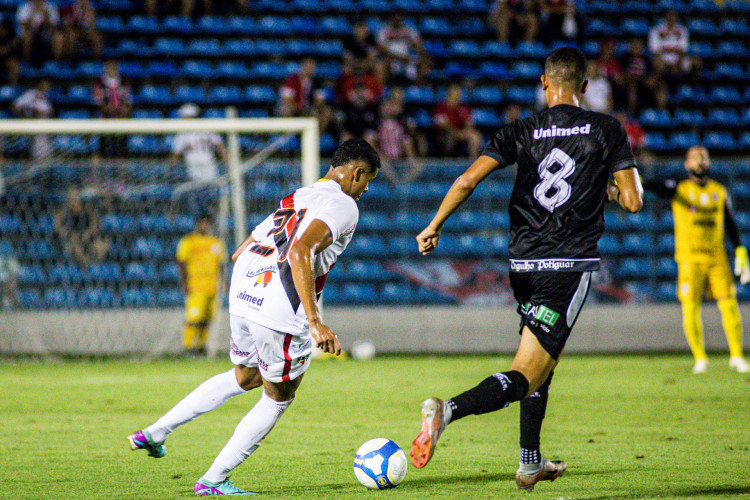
[600, 328]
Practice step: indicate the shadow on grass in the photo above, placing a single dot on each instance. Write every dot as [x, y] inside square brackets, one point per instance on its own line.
[681, 492]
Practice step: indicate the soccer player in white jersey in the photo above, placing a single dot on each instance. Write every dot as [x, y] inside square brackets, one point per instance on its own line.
[279, 272]
[199, 149]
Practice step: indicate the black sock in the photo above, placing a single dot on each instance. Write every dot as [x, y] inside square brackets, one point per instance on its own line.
[492, 394]
[533, 409]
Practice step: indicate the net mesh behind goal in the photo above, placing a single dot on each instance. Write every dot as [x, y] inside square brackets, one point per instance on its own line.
[90, 222]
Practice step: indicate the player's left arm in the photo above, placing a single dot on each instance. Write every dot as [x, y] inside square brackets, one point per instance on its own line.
[741, 260]
[316, 238]
[627, 190]
[456, 195]
[248, 241]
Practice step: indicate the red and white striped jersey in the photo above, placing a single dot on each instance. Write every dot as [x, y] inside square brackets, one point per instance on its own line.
[262, 288]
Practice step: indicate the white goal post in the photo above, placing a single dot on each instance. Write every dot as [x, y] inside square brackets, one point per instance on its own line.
[105, 314]
[306, 127]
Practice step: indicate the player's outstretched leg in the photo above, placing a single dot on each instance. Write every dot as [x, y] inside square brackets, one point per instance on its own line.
[205, 488]
[492, 394]
[546, 470]
[433, 424]
[142, 440]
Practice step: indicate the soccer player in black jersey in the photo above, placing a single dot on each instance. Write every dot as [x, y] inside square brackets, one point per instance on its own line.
[565, 156]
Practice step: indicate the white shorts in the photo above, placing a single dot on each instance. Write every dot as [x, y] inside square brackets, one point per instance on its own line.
[279, 356]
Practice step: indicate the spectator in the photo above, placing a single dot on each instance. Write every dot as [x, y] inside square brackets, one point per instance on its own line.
[361, 49]
[598, 96]
[395, 144]
[35, 103]
[644, 89]
[559, 21]
[612, 71]
[113, 97]
[198, 149]
[9, 269]
[9, 52]
[401, 46]
[79, 25]
[636, 138]
[669, 44]
[513, 19]
[354, 75]
[38, 26]
[455, 125]
[303, 95]
[359, 117]
[77, 226]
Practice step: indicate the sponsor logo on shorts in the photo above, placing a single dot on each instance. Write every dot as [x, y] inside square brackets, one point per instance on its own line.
[236, 350]
[536, 265]
[303, 359]
[541, 313]
[262, 364]
[297, 348]
[250, 299]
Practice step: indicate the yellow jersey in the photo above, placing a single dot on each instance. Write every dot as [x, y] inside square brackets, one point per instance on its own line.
[699, 213]
[203, 256]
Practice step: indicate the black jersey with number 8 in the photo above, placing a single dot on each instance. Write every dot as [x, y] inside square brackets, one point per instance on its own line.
[565, 155]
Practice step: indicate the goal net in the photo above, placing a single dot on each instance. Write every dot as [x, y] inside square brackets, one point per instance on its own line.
[91, 213]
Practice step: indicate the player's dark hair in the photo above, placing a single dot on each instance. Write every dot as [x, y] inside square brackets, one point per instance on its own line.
[356, 150]
[566, 66]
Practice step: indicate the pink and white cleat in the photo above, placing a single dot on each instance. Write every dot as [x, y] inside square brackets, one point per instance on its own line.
[423, 447]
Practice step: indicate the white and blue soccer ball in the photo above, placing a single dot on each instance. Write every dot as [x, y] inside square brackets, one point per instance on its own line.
[379, 464]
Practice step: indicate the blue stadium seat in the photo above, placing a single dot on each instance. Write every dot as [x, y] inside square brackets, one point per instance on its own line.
[634, 268]
[143, 25]
[635, 26]
[65, 273]
[725, 95]
[169, 272]
[29, 298]
[178, 25]
[305, 25]
[741, 190]
[499, 49]
[366, 270]
[267, 70]
[419, 95]
[724, 117]
[689, 117]
[402, 246]
[719, 140]
[144, 272]
[10, 224]
[169, 47]
[260, 94]
[735, 26]
[38, 249]
[436, 26]
[455, 69]
[59, 297]
[190, 93]
[335, 25]
[683, 140]
[731, 71]
[744, 141]
[204, 47]
[486, 118]
[666, 221]
[110, 24]
[150, 114]
[214, 25]
[31, 274]
[271, 25]
[239, 47]
[368, 246]
[375, 221]
[666, 291]
[689, 94]
[398, 294]
[9, 93]
[639, 244]
[409, 221]
[521, 95]
[96, 297]
[197, 69]
[666, 267]
[137, 297]
[169, 297]
[656, 141]
[148, 248]
[656, 118]
[75, 114]
[737, 6]
[154, 94]
[359, 294]
[526, 70]
[109, 272]
[464, 48]
[132, 70]
[233, 70]
[493, 69]
[665, 243]
[702, 26]
[609, 245]
[74, 144]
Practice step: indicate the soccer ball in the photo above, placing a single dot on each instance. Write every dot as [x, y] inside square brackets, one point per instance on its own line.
[379, 464]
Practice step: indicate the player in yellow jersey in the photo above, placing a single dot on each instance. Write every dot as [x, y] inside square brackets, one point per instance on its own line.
[202, 258]
[702, 216]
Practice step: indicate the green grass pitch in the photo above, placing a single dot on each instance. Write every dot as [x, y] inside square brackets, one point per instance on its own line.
[629, 427]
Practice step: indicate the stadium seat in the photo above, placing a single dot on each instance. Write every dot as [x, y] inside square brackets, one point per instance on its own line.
[10, 225]
[666, 291]
[96, 297]
[486, 118]
[724, 117]
[683, 140]
[638, 244]
[204, 47]
[189, 93]
[725, 95]
[609, 245]
[634, 268]
[719, 140]
[398, 294]
[666, 267]
[656, 118]
[637, 27]
[521, 95]
[137, 297]
[59, 297]
[31, 274]
[65, 273]
[655, 141]
[109, 272]
[38, 249]
[148, 248]
[368, 246]
[214, 25]
[154, 94]
[169, 297]
[144, 25]
[689, 117]
[359, 294]
[29, 298]
[178, 25]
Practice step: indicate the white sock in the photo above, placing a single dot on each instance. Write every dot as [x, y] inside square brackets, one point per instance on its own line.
[247, 437]
[447, 413]
[208, 396]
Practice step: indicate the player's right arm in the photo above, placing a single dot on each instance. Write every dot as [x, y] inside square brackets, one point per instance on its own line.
[316, 238]
[457, 194]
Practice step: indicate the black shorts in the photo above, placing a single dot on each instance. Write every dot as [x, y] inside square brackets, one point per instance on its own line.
[549, 303]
